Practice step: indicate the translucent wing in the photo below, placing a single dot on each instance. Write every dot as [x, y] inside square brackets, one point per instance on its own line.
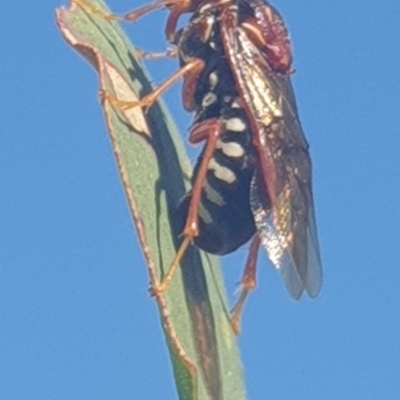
[281, 196]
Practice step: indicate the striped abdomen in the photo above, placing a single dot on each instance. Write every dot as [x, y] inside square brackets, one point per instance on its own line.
[225, 217]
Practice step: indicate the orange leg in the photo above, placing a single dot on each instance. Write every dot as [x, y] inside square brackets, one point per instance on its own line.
[91, 9]
[130, 16]
[247, 283]
[210, 131]
[134, 15]
[147, 101]
[178, 7]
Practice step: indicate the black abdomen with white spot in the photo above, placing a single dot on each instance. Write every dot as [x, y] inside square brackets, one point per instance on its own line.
[225, 217]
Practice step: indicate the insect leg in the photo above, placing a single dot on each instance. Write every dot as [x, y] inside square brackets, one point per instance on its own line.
[247, 283]
[192, 68]
[208, 130]
[152, 55]
[91, 9]
[130, 16]
[177, 8]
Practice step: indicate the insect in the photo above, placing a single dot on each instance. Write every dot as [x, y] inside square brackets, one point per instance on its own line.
[223, 211]
[253, 178]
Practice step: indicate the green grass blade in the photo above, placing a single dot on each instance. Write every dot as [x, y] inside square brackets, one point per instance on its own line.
[151, 160]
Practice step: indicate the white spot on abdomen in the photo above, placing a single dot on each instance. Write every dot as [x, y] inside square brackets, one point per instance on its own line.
[213, 80]
[235, 125]
[222, 173]
[209, 99]
[235, 104]
[230, 149]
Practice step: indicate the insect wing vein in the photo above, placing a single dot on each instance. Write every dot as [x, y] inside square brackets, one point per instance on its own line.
[285, 217]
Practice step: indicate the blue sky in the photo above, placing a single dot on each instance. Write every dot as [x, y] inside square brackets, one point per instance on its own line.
[76, 321]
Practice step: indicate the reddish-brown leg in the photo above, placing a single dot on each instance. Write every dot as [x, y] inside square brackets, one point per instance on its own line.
[210, 131]
[247, 283]
[176, 10]
[134, 15]
[189, 86]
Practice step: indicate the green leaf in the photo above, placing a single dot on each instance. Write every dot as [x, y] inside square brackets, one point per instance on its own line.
[152, 163]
